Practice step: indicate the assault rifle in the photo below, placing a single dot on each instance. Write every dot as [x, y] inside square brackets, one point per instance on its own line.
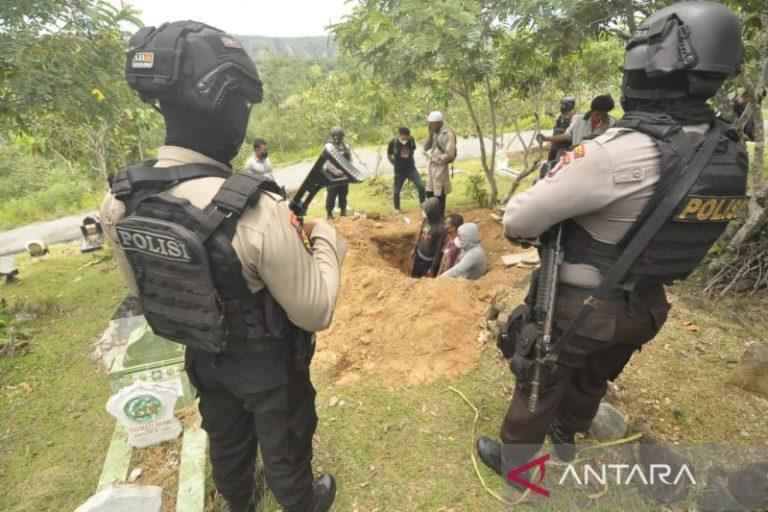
[320, 177]
[551, 254]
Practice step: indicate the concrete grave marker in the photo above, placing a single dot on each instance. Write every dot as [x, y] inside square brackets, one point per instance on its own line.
[146, 412]
[125, 498]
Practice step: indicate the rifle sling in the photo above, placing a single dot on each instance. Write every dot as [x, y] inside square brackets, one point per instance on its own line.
[644, 235]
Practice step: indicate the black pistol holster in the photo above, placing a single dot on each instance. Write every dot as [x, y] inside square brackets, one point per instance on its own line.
[517, 337]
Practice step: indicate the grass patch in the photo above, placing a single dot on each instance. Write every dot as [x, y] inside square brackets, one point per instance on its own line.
[59, 200]
[54, 431]
[375, 195]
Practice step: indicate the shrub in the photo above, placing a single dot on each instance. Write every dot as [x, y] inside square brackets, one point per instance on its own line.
[475, 189]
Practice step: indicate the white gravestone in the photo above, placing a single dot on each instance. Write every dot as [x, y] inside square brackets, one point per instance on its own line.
[125, 498]
[146, 412]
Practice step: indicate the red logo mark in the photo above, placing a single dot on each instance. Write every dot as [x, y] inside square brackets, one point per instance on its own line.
[541, 462]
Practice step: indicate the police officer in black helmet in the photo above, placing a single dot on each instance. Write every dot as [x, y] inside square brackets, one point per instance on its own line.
[607, 190]
[338, 191]
[220, 264]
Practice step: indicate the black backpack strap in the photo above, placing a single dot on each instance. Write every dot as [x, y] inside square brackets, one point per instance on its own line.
[146, 177]
[241, 191]
[688, 176]
[229, 203]
[120, 185]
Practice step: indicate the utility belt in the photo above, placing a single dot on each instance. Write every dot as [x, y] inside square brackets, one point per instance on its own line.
[634, 292]
[517, 337]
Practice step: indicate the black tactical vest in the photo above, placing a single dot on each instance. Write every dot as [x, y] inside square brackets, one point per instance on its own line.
[189, 277]
[684, 239]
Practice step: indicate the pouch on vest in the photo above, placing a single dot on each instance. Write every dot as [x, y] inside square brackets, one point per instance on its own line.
[168, 257]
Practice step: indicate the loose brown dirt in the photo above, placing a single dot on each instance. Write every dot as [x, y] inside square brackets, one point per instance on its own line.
[160, 463]
[405, 331]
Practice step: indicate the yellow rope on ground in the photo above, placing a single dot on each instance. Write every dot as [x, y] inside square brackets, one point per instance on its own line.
[498, 497]
[474, 459]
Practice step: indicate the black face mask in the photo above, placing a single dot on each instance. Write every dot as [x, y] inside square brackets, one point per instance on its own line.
[217, 135]
[264, 155]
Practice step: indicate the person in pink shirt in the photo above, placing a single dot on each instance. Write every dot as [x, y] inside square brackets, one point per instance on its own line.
[450, 251]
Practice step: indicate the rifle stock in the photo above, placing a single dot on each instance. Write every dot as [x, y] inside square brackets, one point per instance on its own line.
[320, 177]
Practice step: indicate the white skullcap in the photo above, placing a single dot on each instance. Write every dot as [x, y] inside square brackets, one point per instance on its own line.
[435, 117]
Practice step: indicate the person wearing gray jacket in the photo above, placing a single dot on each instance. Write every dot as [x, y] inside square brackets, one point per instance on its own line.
[471, 264]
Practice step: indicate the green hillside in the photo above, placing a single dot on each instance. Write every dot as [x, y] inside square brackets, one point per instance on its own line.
[304, 48]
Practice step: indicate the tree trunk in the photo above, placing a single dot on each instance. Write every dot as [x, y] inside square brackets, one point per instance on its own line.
[757, 212]
[481, 138]
[527, 169]
[494, 130]
[629, 9]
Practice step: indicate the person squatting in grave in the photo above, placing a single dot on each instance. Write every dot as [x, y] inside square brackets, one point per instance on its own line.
[247, 302]
[471, 263]
[427, 251]
[450, 250]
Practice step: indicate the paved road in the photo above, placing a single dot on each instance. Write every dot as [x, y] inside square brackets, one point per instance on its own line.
[56, 231]
[369, 160]
[67, 229]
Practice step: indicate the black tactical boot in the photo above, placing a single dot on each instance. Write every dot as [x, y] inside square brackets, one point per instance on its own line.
[564, 442]
[490, 453]
[324, 489]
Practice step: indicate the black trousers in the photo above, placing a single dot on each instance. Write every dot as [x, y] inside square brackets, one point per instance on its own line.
[340, 192]
[596, 355]
[243, 410]
[414, 177]
[439, 198]
[420, 266]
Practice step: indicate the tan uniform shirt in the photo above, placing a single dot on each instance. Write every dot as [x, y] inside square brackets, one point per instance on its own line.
[269, 247]
[604, 184]
[439, 179]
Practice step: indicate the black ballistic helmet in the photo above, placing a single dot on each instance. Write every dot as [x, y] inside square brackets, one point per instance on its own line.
[337, 131]
[686, 49]
[192, 64]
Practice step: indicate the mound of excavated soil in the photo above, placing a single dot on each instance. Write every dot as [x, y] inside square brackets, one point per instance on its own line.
[403, 331]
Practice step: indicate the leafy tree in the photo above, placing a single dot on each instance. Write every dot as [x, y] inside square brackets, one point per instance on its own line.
[61, 80]
[753, 81]
[448, 46]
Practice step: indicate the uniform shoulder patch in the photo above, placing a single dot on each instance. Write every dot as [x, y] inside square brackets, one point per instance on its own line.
[579, 151]
[564, 160]
[296, 225]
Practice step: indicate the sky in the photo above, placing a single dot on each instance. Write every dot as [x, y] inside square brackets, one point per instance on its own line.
[276, 18]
